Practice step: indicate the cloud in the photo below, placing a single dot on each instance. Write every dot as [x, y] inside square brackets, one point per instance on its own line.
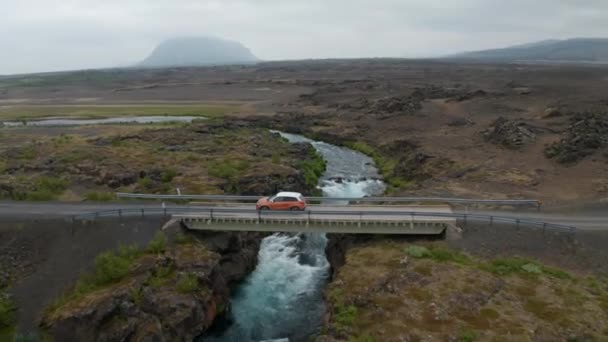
[43, 35]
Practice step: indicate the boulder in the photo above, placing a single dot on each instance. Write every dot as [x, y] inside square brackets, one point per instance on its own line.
[586, 134]
[140, 309]
[513, 134]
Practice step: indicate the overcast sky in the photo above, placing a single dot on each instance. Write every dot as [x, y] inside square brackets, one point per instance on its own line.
[48, 35]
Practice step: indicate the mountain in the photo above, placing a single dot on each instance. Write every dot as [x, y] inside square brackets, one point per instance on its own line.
[196, 51]
[569, 50]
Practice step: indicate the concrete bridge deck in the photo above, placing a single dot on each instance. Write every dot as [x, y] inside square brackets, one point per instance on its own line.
[413, 220]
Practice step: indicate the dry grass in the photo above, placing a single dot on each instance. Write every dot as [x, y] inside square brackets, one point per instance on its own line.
[104, 111]
[447, 295]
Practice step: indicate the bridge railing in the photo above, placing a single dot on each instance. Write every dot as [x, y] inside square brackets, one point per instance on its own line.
[448, 200]
[218, 212]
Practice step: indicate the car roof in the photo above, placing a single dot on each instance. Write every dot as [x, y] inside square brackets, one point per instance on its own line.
[289, 194]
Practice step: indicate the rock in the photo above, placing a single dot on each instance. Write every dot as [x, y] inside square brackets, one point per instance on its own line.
[552, 112]
[460, 122]
[586, 134]
[135, 310]
[512, 134]
[393, 104]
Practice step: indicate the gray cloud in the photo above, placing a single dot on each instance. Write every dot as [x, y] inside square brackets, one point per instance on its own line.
[44, 35]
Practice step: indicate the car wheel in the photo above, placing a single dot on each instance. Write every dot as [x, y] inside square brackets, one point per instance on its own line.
[294, 209]
[264, 208]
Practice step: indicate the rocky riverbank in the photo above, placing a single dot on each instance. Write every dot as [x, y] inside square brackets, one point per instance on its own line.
[171, 292]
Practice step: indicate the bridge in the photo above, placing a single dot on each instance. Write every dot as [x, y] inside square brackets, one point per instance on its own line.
[352, 219]
[428, 220]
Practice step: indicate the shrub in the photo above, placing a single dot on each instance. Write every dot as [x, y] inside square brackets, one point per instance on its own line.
[110, 268]
[7, 311]
[160, 276]
[313, 169]
[346, 315]
[227, 169]
[182, 239]
[28, 153]
[145, 183]
[99, 196]
[467, 336]
[46, 189]
[168, 175]
[187, 284]
[158, 244]
[417, 251]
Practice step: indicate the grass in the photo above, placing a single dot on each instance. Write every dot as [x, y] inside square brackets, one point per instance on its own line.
[168, 175]
[158, 244]
[385, 164]
[499, 266]
[7, 311]
[187, 284]
[110, 267]
[105, 111]
[467, 335]
[437, 253]
[227, 169]
[99, 196]
[313, 169]
[45, 189]
[160, 277]
[518, 265]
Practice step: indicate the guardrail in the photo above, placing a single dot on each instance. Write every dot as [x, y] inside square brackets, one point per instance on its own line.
[360, 214]
[464, 201]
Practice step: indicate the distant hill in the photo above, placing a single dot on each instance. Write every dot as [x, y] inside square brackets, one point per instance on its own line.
[570, 50]
[197, 51]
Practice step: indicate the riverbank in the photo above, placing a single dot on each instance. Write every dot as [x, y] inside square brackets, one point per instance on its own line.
[93, 162]
[529, 285]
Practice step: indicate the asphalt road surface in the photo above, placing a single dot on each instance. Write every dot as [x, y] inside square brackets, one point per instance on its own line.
[593, 218]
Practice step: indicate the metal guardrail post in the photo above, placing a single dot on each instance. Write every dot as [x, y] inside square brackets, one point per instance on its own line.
[491, 220]
[308, 222]
[465, 219]
[211, 214]
[142, 212]
[119, 212]
[259, 216]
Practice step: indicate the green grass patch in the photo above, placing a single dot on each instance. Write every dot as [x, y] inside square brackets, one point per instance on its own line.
[313, 169]
[99, 196]
[518, 265]
[110, 267]
[7, 311]
[45, 189]
[467, 335]
[28, 152]
[346, 315]
[227, 169]
[158, 244]
[437, 253]
[167, 175]
[160, 277]
[385, 164]
[187, 284]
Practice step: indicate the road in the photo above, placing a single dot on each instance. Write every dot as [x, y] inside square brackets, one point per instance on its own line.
[595, 218]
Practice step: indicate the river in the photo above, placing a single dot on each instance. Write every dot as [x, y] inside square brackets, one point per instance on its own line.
[282, 299]
[103, 121]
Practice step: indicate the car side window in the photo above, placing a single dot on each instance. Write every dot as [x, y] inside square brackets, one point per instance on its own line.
[290, 199]
[278, 199]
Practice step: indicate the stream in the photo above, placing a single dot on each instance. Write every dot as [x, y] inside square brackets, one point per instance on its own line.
[282, 299]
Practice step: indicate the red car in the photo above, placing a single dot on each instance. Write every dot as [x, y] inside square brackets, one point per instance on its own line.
[282, 201]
